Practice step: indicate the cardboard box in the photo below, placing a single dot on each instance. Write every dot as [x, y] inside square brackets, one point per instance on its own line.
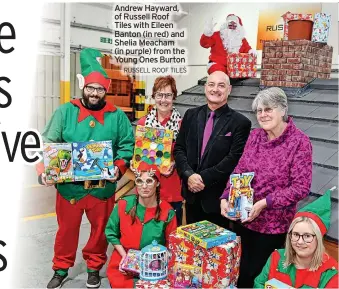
[241, 65]
[321, 27]
[58, 162]
[206, 234]
[219, 265]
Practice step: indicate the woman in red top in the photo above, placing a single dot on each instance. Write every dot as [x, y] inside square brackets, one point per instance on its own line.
[164, 115]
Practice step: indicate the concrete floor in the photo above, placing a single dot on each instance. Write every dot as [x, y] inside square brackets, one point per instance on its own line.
[36, 232]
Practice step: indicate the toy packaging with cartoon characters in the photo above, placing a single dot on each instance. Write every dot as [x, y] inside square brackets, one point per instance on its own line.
[58, 162]
[92, 160]
[153, 146]
[187, 276]
[206, 234]
[321, 27]
[131, 262]
[219, 265]
[241, 195]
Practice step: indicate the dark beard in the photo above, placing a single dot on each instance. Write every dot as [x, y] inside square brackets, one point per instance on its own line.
[85, 101]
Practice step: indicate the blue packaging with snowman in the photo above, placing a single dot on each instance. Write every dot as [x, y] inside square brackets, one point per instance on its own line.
[92, 160]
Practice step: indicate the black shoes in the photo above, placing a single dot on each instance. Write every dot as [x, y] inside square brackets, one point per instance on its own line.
[56, 281]
[93, 280]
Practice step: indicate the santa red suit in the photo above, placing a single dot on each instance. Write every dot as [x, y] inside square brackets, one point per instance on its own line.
[230, 39]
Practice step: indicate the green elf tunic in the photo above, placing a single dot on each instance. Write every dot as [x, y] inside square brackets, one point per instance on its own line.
[325, 277]
[120, 231]
[72, 122]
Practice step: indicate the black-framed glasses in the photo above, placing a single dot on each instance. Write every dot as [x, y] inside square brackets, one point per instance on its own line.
[167, 96]
[140, 182]
[91, 89]
[307, 238]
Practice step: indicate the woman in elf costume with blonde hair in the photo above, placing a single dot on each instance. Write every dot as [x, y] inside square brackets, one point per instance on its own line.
[304, 263]
[136, 221]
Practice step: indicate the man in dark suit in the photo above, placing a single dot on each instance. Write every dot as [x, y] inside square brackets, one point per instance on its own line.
[208, 147]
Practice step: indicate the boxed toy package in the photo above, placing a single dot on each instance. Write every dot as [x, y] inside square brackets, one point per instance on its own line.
[219, 265]
[58, 162]
[241, 65]
[206, 234]
[153, 146]
[276, 284]
[93, 160]
[241, 195]
[131, 262]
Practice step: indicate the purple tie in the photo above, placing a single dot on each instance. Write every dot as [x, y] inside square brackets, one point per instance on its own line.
[207, 131]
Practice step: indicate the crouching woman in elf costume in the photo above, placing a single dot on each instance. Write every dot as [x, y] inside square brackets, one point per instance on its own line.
[304, 263]
[136, 221]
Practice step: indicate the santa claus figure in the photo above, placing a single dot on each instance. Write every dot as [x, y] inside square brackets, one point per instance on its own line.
[230, 39]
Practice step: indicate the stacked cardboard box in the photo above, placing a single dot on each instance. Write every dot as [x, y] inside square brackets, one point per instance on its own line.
[294, 63]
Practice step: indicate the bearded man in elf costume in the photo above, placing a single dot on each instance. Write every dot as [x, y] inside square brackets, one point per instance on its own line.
[86, 119]
[230, 39]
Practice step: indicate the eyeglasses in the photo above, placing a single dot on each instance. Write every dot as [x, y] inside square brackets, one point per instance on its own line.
[307, 238]
[140, 182]
[91, 89]
[267, 110]
[160, 95]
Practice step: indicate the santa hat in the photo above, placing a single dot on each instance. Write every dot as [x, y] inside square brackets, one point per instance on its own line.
[319, 211]
[91, 69]
[152, 170]
[236, 19]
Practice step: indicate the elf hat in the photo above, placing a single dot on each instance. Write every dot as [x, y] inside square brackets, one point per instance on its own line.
[232, 17]
[152, 170]
[319, 211]
[91, 70]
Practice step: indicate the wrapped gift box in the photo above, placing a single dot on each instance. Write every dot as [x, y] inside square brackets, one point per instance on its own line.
[206, 234]
[276, 284]
[141, 284]
[219, 265]
[321, 27]
[288, 16]
[241, 65]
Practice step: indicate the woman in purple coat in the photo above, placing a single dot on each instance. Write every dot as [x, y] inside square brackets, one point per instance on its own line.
[280, 155]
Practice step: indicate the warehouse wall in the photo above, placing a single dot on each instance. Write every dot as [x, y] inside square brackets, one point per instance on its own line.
[100, 15]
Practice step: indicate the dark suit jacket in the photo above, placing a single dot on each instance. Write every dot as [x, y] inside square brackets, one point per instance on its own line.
[220, 157]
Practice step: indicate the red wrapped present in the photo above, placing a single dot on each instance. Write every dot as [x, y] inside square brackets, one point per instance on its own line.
[288, 16]
[219, 265]
[161, 284]
[241, 65]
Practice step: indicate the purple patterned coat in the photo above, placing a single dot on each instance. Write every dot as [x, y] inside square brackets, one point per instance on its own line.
[283, 175]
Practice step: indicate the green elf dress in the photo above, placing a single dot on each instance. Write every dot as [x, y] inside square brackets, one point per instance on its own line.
[327, 274]
[121, 231]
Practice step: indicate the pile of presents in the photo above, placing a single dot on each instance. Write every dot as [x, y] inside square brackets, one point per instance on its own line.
[244, 65]
[199, 255]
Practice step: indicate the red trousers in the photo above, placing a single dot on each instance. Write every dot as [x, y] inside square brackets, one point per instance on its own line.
[69, 220]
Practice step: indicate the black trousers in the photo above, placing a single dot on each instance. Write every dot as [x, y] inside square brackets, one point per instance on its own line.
[256, 249]
[195, 213]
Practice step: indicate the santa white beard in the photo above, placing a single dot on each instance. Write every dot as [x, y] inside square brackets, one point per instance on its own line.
[232, 39]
